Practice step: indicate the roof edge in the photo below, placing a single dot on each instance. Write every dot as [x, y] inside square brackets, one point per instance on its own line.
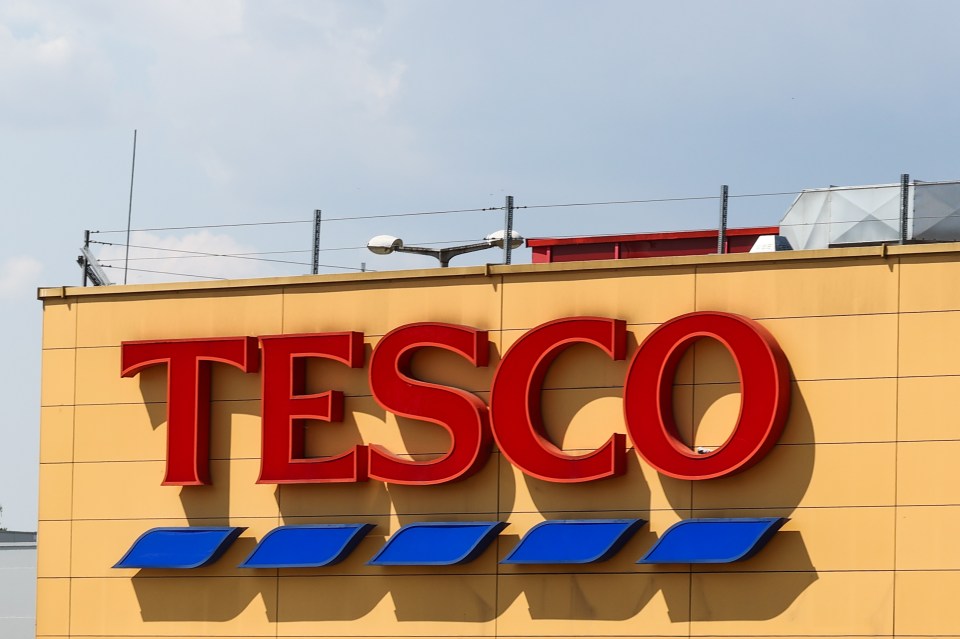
[499, 270]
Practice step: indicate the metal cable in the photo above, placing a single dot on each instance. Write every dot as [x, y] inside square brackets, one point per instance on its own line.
[143, 270]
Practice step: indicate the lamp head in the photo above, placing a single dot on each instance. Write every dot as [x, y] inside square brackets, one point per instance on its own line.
[384, 244]
[496, 238]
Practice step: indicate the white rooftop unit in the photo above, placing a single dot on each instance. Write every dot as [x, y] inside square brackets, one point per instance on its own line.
[850, 215]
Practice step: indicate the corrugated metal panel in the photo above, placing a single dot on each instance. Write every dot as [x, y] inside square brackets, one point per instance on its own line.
[18, 590]
[841, 216]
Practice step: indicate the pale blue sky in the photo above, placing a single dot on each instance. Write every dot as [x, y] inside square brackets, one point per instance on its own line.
[253, 111]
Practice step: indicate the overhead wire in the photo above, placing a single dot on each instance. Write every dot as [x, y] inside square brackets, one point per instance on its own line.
[616, 202]
[235, 256]
[525, 206]
[310, 221]
[201, 254]
[255, 255]
[143, 270]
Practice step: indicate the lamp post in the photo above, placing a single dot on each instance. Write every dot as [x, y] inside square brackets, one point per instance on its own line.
[386, 244]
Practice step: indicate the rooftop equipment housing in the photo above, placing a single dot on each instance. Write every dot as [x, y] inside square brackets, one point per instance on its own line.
[857, 215]
[613, 247]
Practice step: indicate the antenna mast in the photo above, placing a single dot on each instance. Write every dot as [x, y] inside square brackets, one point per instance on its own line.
[133, 167]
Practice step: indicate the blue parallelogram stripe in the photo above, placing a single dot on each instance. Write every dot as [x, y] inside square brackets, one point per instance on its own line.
[437, 543]
[574, 541]
[712, 541]
[191, 547]
[306, 546]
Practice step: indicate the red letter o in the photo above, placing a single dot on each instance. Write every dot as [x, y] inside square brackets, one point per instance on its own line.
[764, 400]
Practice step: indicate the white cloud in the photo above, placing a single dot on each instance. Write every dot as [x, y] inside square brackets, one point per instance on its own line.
[18, 277]
[52, 73]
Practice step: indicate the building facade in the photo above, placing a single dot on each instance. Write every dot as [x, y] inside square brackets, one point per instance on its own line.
[857, 497]
[18, 575]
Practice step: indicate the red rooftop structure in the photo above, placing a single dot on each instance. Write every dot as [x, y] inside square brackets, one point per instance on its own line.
[615, 247]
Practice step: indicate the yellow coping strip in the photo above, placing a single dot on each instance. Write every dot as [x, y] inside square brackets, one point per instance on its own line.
[491, 270]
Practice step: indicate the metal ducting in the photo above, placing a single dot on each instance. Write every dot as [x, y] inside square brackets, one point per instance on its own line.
[851, 215]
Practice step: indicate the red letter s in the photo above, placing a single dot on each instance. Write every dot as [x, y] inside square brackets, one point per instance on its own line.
[461, 413]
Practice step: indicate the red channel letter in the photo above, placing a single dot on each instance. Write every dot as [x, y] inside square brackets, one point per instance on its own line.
[764, 400]
[461, 413]
[188, 394]
[515, 401]
[286, 408]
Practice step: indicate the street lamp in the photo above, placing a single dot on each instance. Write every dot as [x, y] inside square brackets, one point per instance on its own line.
[386, 244]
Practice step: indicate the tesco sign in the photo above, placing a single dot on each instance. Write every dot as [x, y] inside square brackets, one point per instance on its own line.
[512, 419]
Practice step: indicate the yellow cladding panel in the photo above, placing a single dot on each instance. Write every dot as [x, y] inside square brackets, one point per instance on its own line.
[926, 602]
[582, 419]
[53, 607]
[235, 430]
[56, 491]
[792, 603]
[121, 432]
[807, 475]
[640, 489]
[138, 432]
[852, 346]
[56, 434]
[841, 411]
[537, 604]
[429, 364]
[928, 408]
[929, 283]
[683, 409]
[443, 367]
[712, 363]
[586, 366]
[59, 324]
[132, 490]
[928, 473]
[365, 422]
[798, 289]
[53, 548]
[388, 605]
[99, 381]
[856, 346]
[649, 296]
[927, 344]
[822, 411]
[58, 375]
[377, 307]
[927, 537]
[99, 544]
[181, 316]
[818, 539]
[174, 606]
[476, 495]
[716, 408]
